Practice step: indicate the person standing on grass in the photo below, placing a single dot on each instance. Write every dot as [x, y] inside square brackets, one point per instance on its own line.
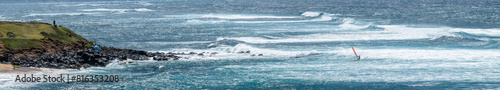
[54, 22]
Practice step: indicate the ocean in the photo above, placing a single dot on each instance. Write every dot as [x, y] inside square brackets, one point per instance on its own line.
[305, 44]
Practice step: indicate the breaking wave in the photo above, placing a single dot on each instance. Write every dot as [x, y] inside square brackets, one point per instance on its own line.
[311, 14]
[118, 10]
[238, 16]
[83, 4]
[59, 14]
[205, 21]
[242, 51]
[325, 17]
[389, 32]
[491, 44]
[246, 18]
[348, 25]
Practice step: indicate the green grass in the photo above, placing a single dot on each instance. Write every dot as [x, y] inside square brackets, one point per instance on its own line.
[18, 44]
[29, 34]
[63, 34]
[25, 30]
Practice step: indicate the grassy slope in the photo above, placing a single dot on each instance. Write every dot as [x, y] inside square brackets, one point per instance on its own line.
[29, 34]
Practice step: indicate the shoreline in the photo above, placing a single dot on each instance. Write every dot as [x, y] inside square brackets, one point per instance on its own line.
[7, 69]
[78, 58]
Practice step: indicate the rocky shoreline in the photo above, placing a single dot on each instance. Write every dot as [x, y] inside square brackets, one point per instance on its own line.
[78, 58]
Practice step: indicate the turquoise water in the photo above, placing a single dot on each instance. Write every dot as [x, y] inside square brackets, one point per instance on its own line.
[417, 44]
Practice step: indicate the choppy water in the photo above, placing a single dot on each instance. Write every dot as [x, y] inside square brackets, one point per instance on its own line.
[306, 44]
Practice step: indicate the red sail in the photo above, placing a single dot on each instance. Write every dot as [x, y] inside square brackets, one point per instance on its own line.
[354, 52]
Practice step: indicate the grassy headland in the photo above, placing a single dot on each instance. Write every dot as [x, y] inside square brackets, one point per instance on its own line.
[37, 44]
[35, 35]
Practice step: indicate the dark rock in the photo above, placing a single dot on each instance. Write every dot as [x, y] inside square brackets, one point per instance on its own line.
[139, 52]
[122, 57]
[4, 59]
[150, 54]
[77, 58]
[160, 58]
[214, 53]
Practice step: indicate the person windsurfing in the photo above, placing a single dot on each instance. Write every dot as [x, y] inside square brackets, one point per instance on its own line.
[357, 57]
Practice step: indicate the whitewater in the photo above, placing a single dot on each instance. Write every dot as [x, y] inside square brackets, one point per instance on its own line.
[303, 44]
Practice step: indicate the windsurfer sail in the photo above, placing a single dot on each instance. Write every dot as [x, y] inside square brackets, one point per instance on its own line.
[357, 57]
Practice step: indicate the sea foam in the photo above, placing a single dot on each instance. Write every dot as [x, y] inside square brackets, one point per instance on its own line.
[390, 32]
[311, 14]
[117, 10]
[348, 25]
[58, 14]
[238, 16]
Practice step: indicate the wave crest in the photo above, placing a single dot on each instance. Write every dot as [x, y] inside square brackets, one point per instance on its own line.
[205, 21]
[59, 14]
[311, 14]
[117, 10]
[453, 39]
[348, 24]
[238, 16]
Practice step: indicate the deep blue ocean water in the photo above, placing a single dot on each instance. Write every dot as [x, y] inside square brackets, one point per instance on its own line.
[306, 44]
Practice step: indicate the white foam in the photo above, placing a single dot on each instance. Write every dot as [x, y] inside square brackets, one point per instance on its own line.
[311, 14]
[238, 16]
[143, 9]
[266, 21]
[167, 43]
[83, 4]
[391, 32]
[325, 17]
[145, 3]
[488, 32]
[349, 26]
[117, 10]
[115, 64]
[319, 19]
[58, 14]
[185, 16]
[267, 52]
[232, 52]
[241, 18]
[205, 21]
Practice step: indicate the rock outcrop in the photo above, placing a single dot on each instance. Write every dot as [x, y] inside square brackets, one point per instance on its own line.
[59, 47]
